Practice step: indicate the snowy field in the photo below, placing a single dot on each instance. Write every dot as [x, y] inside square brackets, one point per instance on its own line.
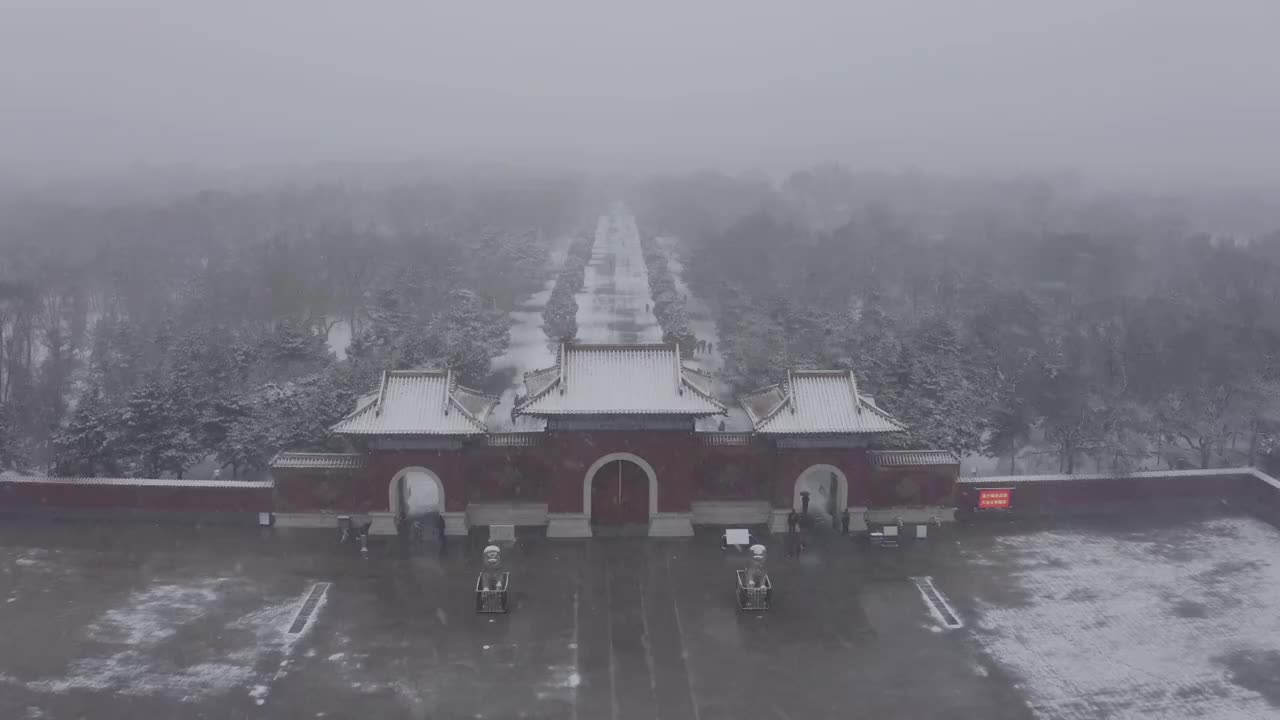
[1173, 621]
[614, 305]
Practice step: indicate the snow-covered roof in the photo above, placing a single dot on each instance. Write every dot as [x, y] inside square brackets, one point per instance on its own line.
[816, 402]
[318, 461]
[137, 482]
[420, 402]
[618, 380]
[897, 458]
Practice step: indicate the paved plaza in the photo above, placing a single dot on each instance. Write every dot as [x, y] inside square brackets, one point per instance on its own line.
[1082, 618]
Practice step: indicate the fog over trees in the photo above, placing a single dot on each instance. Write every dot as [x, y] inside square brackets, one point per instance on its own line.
[148, 338]
[1031, 320]
[1080, 330]
[1044, 234]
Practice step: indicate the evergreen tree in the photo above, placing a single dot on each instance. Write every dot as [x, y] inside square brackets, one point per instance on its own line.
[153, 436]
[938, 392]
[87, 446]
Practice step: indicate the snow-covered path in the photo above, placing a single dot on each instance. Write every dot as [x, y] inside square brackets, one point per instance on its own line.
[615, 305]
[527, 350]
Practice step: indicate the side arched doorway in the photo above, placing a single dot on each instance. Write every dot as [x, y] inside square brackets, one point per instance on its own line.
[414, 493]
[620, 489]
[828, 491]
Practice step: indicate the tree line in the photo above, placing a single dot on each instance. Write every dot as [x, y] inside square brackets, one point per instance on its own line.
[560, 314]
[1031, 320]
[151, 338]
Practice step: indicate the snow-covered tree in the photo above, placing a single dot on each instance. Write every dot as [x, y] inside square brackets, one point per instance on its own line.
[88, 445]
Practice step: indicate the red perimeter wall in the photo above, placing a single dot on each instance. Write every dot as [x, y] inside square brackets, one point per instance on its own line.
[181, 497]
[1036, 497]
[554, 472]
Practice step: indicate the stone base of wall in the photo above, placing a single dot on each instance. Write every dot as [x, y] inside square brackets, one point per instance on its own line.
[908, 515]
[778, 520]
[568, 525]
[735, 513]
[382, 523]
[310, 521]
[455, 523]
[671, 525]
[509, 513]
[860, 516]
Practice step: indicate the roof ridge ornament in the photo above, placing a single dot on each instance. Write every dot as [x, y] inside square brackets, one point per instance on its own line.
[679, 370]
[382, 393]
[853, 388]
[562, 362]
[448, 388]
[791, 393]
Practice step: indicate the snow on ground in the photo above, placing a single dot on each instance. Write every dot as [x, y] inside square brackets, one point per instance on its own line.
[1173, 622]
[614, 305]
[137, 643]
[527, 350]
[339, 337]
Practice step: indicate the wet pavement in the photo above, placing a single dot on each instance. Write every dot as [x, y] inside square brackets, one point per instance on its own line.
[131, 620]
[614, 305]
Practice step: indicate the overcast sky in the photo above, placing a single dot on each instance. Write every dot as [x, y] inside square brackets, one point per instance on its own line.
[1137, 87]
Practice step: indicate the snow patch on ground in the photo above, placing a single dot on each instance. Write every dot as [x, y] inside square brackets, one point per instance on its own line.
[35, 558]
[144, 636]
[1174, 622]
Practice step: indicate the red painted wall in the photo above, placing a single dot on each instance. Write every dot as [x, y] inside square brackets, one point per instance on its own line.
[568, 455]
[910, 485]
[786, 465]
[448, 465]
[88, 495]
[1047, 496]
[686, 469]
[298, 491]
[732, 472]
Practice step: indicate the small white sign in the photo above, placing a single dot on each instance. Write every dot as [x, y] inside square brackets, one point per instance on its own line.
[737, 536]
[922, 532]
[502, 533]
[891, 531]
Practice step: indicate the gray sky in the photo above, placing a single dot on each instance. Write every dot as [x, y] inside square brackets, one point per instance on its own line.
[1116, 86]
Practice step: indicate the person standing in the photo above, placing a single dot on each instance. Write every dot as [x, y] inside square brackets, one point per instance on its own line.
[440, 535]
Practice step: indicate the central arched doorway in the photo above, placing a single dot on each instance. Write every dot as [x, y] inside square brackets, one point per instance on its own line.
[827, 490]
[620, 489]
[415, 493]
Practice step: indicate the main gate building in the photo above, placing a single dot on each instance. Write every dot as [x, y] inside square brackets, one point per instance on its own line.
[613, 440]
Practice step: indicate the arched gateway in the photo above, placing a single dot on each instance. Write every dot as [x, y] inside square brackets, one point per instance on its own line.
[620, 488]
[414, 492]
[828, 491]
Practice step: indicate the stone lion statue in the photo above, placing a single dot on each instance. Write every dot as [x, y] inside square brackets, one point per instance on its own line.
[491, 569]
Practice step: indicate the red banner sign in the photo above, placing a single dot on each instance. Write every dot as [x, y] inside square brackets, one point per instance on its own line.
[995, 499]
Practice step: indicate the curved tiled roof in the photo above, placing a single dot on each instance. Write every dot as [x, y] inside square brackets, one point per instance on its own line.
[420, 402]
[816, 402]
[896, 458]
[617, 380]
[319, 461]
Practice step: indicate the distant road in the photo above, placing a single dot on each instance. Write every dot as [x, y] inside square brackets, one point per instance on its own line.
[615, 305]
